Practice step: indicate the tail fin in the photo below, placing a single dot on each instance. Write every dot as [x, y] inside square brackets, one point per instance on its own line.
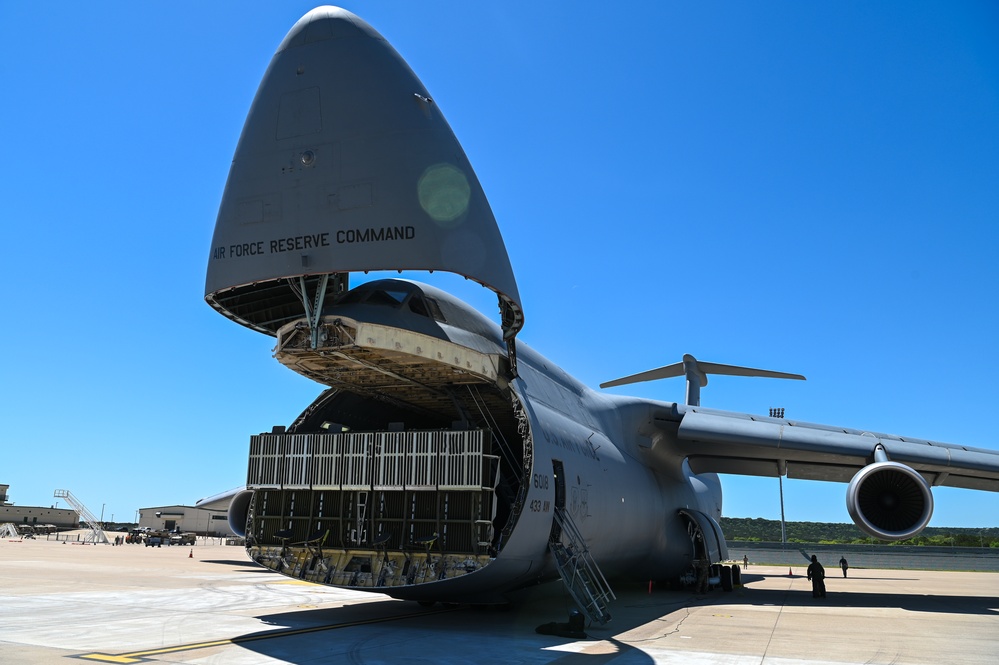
[697, 375]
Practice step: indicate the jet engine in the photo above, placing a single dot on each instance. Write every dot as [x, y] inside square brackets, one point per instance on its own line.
[239, 509]
[889, 500]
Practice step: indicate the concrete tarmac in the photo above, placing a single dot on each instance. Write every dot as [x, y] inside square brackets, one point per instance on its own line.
[208, 604]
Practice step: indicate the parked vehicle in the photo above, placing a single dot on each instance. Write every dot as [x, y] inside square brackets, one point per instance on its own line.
[183, 539]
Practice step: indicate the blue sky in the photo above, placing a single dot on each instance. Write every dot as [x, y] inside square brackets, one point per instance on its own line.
[807, 187]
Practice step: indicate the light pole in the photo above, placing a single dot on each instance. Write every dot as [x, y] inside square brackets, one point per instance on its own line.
[779, 413]
[783, 531]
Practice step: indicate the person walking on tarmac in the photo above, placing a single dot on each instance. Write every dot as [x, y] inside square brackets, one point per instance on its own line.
[817, 576]
[843, 564]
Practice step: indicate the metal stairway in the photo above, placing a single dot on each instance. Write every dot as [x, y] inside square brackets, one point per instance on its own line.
[96, 534]
[578, 570]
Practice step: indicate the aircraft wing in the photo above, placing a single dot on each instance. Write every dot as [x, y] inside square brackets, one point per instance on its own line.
[220, 501]
[890, 477]
[726, 442]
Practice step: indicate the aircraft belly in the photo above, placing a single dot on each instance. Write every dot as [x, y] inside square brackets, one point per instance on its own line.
[404, 575]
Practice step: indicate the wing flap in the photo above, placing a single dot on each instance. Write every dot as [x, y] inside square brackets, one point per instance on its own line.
[742, 466]
[828, 472]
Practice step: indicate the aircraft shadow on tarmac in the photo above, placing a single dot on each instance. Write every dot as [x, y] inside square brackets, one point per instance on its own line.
[483, 635]
[236, 562]
[507, 634]
[837, 594]
[502, 635]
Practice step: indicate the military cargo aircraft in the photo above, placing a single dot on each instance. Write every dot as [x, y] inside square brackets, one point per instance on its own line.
[446, 460]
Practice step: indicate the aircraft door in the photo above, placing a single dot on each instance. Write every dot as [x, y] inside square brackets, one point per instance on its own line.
[558, 476]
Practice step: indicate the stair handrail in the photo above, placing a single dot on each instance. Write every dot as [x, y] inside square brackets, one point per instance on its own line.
[583, 569]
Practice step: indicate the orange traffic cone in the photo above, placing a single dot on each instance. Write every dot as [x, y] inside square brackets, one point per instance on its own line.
[191, 555]
[789, 574]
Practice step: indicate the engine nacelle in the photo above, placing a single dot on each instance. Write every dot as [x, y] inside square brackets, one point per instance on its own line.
[239, 509]
[889, 500]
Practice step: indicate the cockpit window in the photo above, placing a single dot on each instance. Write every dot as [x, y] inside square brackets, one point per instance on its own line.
[427, 307]
[435, 310]
[417, 303]
[418, 306]
[397, 296]
[381, 297]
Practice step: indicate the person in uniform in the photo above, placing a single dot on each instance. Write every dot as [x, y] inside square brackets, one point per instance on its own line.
[817, 576]
[843, 564]
[702, 575]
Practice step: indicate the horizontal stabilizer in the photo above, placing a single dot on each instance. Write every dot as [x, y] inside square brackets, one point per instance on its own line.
[697, 375]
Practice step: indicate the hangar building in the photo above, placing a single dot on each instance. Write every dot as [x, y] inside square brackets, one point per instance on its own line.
[63, 518]
[186, 518]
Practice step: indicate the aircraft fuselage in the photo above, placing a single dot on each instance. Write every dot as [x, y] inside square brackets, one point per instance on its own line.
[425, 473]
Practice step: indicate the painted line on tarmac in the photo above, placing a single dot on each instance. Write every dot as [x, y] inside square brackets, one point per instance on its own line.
[142, 656]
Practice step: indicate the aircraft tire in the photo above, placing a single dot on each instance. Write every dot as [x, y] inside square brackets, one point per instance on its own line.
[726, 578]
[736, 575]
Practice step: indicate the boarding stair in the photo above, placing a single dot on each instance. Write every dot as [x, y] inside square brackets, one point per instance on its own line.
[8, 530]
[96, 534]
[578, 570]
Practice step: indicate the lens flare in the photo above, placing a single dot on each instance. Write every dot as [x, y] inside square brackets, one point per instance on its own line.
[444, 194]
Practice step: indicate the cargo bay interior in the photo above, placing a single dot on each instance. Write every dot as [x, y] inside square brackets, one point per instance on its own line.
[409, 467]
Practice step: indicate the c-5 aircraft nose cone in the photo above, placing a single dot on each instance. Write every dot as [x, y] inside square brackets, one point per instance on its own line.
[346, 164]
[324, 23]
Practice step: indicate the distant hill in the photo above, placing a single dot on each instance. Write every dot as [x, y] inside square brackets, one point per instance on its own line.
[758, 529]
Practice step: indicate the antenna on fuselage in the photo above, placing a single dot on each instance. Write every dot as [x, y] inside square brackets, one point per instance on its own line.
[697, 372]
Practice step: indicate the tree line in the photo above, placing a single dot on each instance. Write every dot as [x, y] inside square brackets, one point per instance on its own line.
[757, 529]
